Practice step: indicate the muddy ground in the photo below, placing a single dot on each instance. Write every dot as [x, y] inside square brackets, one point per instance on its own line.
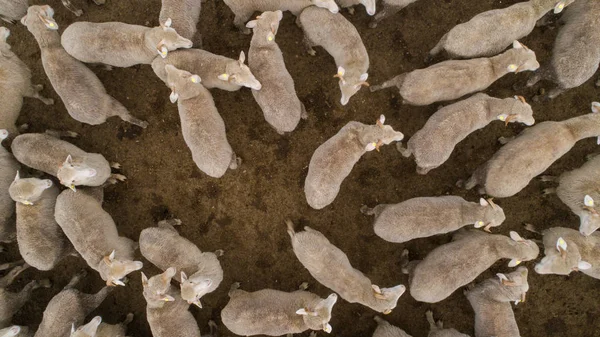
[243, 212]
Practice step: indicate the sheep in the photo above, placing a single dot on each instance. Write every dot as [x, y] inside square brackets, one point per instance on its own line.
[489, 33]
[119, 44]
[42, 243]
[96, 328]
[15, 83]
[184, 14]
[455, 264]
[436, 329]
[11, 302]
[7, 206]
[94, 235]
[274, 313]
[428, 216]
[331, 267]
[453, 79]
[277, 98]
[349, 4]
[579, 189]
[166, 311]
[243, 9]
[566, 250]
[79, 88]
[165, 248]
[333, 160]
[202, 127]
[390, 7]
[575, 56]
[491, 301]
[341, 40]
[70, 164]
[385, 329]
[531, 153]
[216, 71]
[434, 143]
[68, 308]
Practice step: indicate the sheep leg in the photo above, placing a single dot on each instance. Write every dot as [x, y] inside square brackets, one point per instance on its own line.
[7, 19]
[240, 22]
[235, 162]
[75, 279]
[12, 275]
[386, 12]
[61, 134]
[364, 209]
[34, 92]
[404, 151]
[234, 287]
[533, 80]
[99, 2]
[71, 8]
[394, 82]
[90, 302]
[505, 140]
[169, 224]
[555, 92]
[308, 45]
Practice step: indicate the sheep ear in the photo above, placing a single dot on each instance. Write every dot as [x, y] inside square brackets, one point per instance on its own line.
[279, 14]
[502, 117]
[270, 36]
[251, 24]
[512, 68]
[517, 45]
[371, 147]
[224, 77]
[561, 245]
[69, 160]
[514, 263]
[195, 79]
[559, 6]
[144, 279]
[596, 107]
[72, 328]
[376, 289]
[17, 177]
[479, 224]
[242, 57]
[483, 202]
[183, 277]
[341, 71]
[588, 201]
[364, 77]
[381, 119]
[583, 265]
[515, 236]
[111, 257]
[302, 312]
[502, 277]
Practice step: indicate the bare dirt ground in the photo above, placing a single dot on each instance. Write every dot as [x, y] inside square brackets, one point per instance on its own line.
[243, 212]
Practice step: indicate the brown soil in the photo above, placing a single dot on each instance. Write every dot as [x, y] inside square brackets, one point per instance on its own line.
[243, 212]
